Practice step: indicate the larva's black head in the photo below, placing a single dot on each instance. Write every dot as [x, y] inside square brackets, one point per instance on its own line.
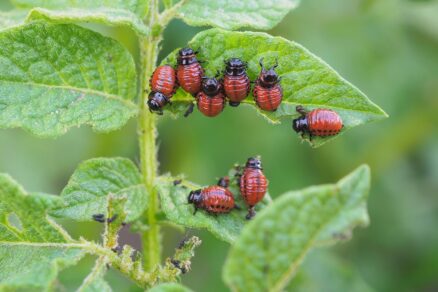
[254, 162]
[194, 197]
[300, 124]
[184, 52]
[186, 56]
[224, 182]
[211, 86]
[156, 101]
[235, 67]
[268, 77]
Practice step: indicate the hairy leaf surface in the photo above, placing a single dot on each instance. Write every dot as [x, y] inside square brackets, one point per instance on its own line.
[138, 7]
[11, 18]
[230, 14]
[33, 248]
[86, 193]
[306, 79]
[271, 247]
[170, 287]
[103, 15]
[57, 76]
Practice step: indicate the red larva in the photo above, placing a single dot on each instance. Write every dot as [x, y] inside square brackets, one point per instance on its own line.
[163, 80]
[253, 184]
[213, 199]
[236, 82]
[267, 90]
[211, 100]
[318, 122]
[189, 72]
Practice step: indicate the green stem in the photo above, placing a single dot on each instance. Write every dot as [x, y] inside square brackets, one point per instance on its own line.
[147, 139]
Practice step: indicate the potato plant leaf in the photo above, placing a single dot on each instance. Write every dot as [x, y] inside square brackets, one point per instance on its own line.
[57, 76]
[138, 7]
[328, 272]
[11, 18]
[226, 227]
[107, 16]
[170, 287]
[95, 281]
[33, 249]
[229, 14]
[87, 191]
[271, 247]
[306, 79]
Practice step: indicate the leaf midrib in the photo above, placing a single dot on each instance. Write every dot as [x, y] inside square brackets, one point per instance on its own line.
[308, 246]
[247, 101]
[96, 198]
[76, 89]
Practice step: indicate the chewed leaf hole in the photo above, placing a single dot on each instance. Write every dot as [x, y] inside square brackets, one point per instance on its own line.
[14, 221]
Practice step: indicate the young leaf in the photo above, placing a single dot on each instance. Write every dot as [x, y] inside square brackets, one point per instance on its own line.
[226, 227]
[170, 287]
[54, 77]
[87, 191]
[306, 79]
[229, 14]
[95, 281]
[272, 246]
[107, 16]
[33, 249]
[11, 18]
[138, 7]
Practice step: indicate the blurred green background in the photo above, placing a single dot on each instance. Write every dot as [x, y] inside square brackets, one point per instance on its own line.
[389, 49]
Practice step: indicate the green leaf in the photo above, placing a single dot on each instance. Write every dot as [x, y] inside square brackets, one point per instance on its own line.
[306, 79]
[11, 18]
[32, 249]
[271, 247]
[87, 191]
[226, 227]
[325, 271]
[95, 281]
[170, 287]
[138, 7]
[54, 77]
[229, 14]
[107, 16]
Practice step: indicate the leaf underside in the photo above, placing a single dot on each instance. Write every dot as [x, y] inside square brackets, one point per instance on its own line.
[271, 247]
[170, 287]
[57, 76]
[103, 15]
[87, 191]
[226, 227]
[306, 79]
[138, 7]
[230, 14]
[31, 251]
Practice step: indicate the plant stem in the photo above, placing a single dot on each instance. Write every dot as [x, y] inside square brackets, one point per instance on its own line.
[147, 139]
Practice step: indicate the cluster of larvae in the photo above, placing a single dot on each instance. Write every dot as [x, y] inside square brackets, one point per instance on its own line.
[218, 199]
[212, 93]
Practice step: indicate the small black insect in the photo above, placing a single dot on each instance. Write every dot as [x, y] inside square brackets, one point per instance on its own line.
[99, 218]
[118, 249]
[177, 264]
